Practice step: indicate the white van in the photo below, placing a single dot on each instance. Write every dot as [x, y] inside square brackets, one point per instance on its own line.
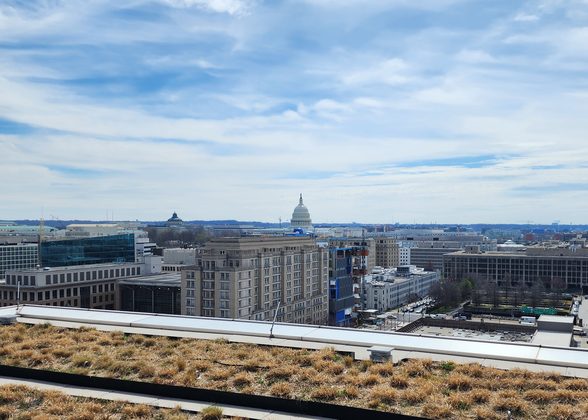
[527, 320]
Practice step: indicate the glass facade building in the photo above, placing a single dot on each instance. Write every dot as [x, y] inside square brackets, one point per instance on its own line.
[18, 257]
[84, 251]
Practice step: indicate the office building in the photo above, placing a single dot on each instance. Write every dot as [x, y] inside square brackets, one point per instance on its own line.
[89, 286]
[85, 286]
[84, 251]
[536, 264]
[386, 252]
[429, 255]
[246, 278]
[392, 288]
[403, 256]
[18, 256]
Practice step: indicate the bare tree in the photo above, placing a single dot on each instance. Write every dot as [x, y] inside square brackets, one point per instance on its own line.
[558, 285]
[493, 291]
[534, 292]
[446, 292]
[517, 293]
[506, 285]
[478, 289]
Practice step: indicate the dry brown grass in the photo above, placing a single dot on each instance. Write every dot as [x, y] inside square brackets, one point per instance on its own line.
[414, 387]
[384, 393]
[282, 390]
[561, 412]
[324, 393]
[21, 402]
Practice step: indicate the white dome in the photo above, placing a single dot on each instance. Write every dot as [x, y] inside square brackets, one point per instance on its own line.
[301, 216]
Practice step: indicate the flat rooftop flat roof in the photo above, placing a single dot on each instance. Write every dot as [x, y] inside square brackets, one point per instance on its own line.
[163, 279]
[559, 319]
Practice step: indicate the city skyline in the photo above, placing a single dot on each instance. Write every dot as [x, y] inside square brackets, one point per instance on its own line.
[441, 111]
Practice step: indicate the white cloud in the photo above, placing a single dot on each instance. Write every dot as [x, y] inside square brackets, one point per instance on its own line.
[390, 72]
[141, 103]
[474, 56]
[521, 17]
[233, 7]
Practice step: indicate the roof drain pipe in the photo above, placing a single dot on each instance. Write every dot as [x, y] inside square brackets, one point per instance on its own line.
[274, 321]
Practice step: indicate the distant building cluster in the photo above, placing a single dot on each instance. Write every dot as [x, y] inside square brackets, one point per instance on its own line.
[301, 273]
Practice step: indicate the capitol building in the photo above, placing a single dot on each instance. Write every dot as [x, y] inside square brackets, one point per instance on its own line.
[301, 216]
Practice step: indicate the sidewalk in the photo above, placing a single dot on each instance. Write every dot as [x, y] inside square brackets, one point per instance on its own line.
[186, 405]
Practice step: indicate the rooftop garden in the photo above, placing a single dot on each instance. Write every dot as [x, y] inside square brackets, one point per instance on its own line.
[417, 387]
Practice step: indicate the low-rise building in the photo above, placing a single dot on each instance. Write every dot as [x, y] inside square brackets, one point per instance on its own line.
[89, 286]
[93, 286]
[536, 264]
[392, 288]
[429, 254]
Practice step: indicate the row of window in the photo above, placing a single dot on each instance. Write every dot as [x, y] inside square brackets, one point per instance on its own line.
[56, 294]
[24, 280]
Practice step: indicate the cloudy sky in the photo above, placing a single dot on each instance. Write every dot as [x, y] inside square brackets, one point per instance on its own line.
[379, 111]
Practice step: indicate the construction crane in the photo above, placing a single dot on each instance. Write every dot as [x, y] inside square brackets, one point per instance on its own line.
[61, 224]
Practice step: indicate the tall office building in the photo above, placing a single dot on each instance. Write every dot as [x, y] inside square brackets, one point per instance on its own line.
[246, 278]
[386, 252]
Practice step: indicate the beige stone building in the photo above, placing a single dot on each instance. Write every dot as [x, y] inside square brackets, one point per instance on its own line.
[387, 254]
[246, 278]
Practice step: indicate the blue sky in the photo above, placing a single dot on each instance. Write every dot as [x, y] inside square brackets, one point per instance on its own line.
[447, 111]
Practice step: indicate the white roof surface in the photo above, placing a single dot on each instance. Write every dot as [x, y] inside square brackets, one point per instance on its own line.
[450, 346]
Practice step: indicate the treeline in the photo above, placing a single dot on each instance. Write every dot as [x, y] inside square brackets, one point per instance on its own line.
[169, 237]
[482, 290]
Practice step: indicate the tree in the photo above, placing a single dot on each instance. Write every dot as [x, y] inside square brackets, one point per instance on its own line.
[534, 292]
[479, 289]
[447, 293]
[493, 291]
[165, 236]
[517, 293]
[152, 233]
[558, 285]
[506, 285]
[187, 237]
[466, 287]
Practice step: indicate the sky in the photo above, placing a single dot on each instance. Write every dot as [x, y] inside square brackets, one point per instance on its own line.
[380, 111]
